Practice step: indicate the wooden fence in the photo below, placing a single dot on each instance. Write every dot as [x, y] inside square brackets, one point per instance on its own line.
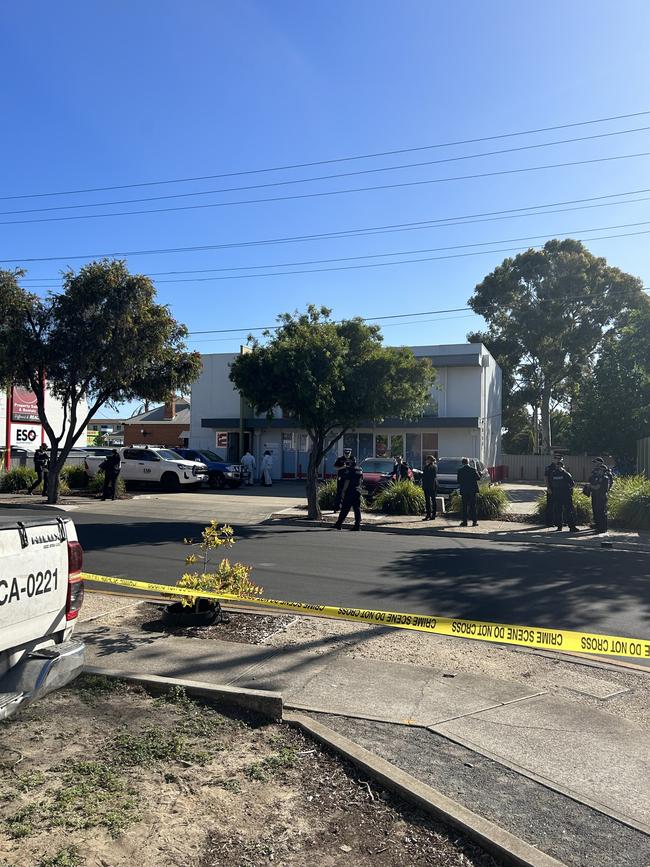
[530, 468]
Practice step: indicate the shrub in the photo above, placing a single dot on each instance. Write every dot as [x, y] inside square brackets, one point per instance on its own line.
[21, 478]
[327, 494]
[400, 498]
[629, 502]
[96, 485]
[491, 502]
[75, 477]
[581, 504]
[227, 577]
[18, 479]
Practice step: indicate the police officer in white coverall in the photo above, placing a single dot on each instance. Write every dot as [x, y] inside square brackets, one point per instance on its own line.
[265, 469]
[248, 461]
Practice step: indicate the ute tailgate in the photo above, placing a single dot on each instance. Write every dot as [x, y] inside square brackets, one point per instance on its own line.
[33, 579]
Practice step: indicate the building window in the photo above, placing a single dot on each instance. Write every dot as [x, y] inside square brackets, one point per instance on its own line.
[365, 446]
[396, 445]
[429, 445]
[381, 445]
[414, 450]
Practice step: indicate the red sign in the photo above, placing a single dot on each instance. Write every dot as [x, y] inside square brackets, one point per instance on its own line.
[222, 440]
[23, 405]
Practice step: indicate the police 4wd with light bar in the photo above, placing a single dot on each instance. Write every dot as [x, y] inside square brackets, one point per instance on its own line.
[41, 592]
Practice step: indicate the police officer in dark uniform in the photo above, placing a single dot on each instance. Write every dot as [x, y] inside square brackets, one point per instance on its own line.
[339, 465]
[42, 467]
[468, 479]
[400, 470]
[111, 466]
[550, 513]
[600, 481]
[352, 485]
[561, 483]
[429, 476]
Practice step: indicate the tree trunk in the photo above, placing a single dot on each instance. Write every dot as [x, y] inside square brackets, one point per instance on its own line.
[57, 461]
[315, 457]
[547, 443]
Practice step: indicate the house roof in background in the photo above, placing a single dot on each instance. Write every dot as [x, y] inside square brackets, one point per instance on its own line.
[157, 415]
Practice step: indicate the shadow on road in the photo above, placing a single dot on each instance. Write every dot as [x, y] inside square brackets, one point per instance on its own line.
[563, 588]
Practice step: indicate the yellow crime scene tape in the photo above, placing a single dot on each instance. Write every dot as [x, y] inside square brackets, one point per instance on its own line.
[480, 630]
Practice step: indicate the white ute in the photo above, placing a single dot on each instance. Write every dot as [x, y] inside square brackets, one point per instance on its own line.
[153, 464]
[41, 591]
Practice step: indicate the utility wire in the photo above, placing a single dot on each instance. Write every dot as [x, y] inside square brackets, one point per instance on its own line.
[293, 181]
[383, 318]
[399, 252]
[381, 230]
[385, 325]
[337, 234]
[405, 261]
[323, 193]
[328, 161]
[393, 253]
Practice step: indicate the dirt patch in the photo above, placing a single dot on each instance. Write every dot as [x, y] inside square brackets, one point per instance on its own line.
[102, 775]
[240, 628]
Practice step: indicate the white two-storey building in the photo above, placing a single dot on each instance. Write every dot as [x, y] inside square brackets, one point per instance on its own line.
[463, 418]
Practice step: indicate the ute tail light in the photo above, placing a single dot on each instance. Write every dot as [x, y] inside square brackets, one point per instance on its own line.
[75, 581]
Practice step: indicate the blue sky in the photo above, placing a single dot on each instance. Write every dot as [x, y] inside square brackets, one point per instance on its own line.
[102, 94]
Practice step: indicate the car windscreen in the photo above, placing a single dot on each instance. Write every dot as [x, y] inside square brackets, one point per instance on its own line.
[377, 466]
[449, 466]
[169, 455]
[212, 456]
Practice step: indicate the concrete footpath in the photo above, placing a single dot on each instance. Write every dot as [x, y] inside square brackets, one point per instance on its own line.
[566, 770]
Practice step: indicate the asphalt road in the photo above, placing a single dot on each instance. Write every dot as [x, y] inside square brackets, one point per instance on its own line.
[595, 590]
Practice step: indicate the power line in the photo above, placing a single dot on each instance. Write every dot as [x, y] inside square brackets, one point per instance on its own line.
[406, 261]
[338, 234]
[386, 325]
[293, 181]
[382, 318]
[329, 161]
[399, 252]
[323, 193]
[363, 319]
[404, 227]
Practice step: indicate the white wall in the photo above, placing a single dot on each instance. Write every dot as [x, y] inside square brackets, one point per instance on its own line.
[458, 443]
[463, 392]
[491, 412]
[213, 395]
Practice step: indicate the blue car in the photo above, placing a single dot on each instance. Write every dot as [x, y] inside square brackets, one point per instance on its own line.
[221, 474]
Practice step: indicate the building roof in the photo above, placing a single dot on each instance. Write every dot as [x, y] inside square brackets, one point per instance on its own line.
[157, 415]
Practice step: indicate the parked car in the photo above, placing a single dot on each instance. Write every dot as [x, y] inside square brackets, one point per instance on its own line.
[154, 465]
[41, 591]
[448, 469]
[378, 472]
[221, 474]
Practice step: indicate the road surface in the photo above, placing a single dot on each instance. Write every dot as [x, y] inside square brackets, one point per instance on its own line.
[595, 590]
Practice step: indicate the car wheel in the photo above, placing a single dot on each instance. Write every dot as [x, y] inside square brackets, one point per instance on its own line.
[217, 480]
[170, 482]
[234, 484]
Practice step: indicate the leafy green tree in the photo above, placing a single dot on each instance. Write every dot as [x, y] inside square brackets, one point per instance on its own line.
[550, 310]
[330, 376]
[102, 339]
[612, 408]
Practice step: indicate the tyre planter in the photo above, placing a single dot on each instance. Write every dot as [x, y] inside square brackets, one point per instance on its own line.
[205, 612]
